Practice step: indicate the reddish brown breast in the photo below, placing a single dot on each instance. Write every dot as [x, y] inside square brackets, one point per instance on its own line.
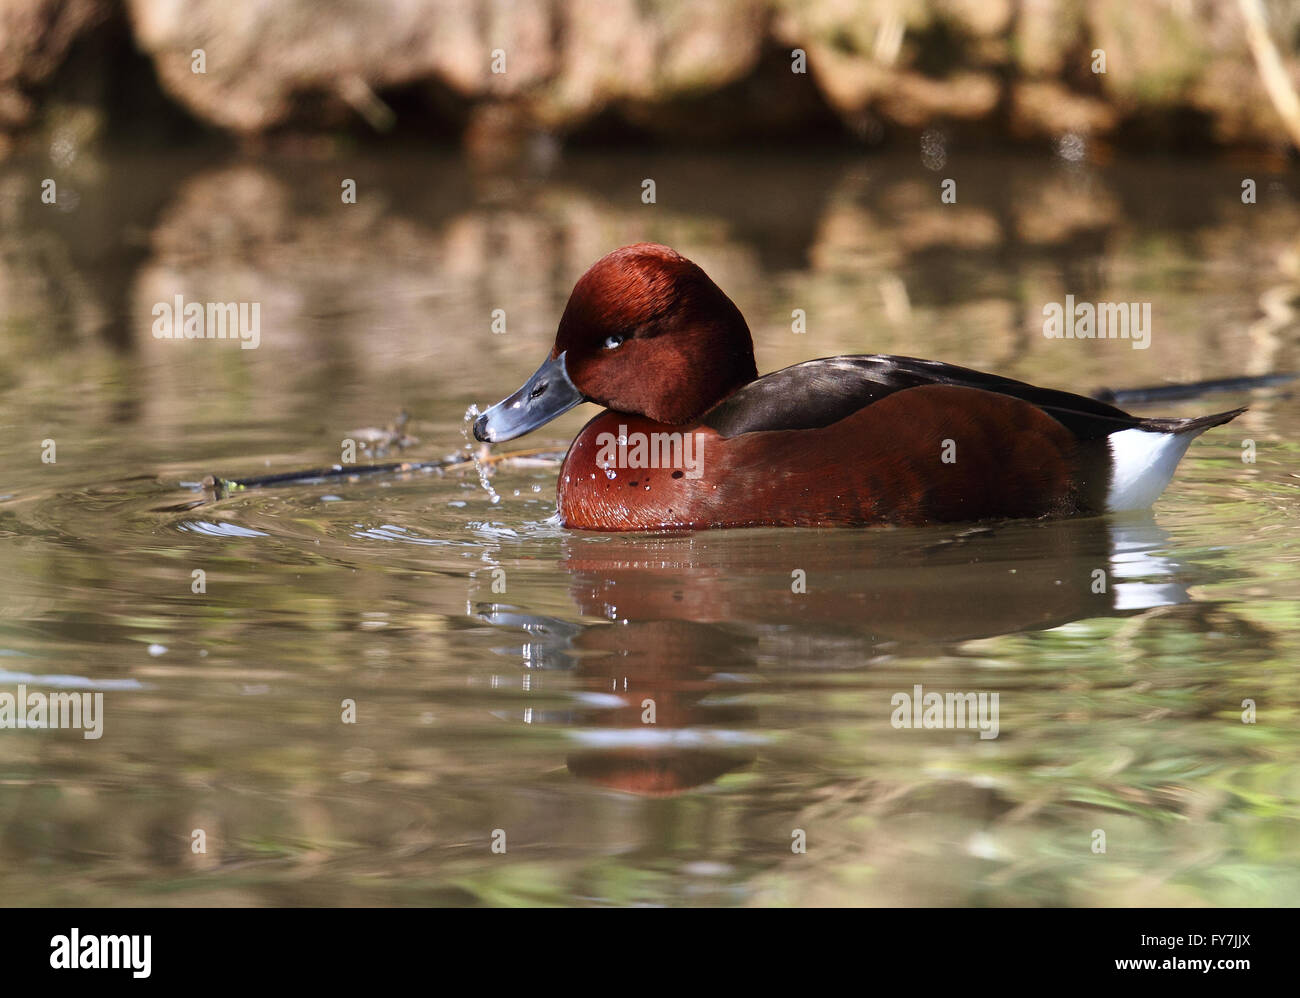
[933, 454]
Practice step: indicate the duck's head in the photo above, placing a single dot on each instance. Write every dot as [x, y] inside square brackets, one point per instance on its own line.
[646, 332]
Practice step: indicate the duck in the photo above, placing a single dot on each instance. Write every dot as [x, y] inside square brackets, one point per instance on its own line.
[691, 438]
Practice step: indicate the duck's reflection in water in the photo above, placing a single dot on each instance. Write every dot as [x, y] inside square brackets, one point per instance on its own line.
[668, 677]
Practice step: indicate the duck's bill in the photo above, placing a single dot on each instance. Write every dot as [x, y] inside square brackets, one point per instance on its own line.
[547, 394]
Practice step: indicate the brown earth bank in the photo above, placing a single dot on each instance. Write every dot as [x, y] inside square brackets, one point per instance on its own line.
[510, 80]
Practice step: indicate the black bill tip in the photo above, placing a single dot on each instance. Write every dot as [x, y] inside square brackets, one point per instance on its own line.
[547, 394]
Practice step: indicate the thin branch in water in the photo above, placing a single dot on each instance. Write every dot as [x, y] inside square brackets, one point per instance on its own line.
[221, 488]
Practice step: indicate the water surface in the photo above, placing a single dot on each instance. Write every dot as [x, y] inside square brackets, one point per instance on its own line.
[512, 700]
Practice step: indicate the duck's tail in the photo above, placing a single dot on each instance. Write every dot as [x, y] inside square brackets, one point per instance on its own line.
[1143, 459]
[1191, 425]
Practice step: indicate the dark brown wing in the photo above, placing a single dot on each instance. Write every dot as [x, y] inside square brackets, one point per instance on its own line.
[818, 393]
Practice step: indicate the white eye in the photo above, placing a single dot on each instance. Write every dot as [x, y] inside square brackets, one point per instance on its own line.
[613, 342]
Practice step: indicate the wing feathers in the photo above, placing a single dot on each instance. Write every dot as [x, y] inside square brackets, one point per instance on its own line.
[821, 392]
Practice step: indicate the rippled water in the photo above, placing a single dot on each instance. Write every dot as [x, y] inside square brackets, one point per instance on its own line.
[500, 665]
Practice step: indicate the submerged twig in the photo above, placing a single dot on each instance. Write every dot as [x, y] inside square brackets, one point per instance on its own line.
[1189, 390]
[223, 487]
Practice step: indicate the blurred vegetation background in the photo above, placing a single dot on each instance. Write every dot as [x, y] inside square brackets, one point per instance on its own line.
[512, 81]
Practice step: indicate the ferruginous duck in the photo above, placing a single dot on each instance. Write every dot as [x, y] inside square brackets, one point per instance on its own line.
[691, 437]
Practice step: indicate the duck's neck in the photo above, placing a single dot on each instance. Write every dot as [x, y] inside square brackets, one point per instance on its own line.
[721, 371]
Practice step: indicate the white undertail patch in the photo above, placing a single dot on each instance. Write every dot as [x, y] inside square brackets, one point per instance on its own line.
[1142, 463]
